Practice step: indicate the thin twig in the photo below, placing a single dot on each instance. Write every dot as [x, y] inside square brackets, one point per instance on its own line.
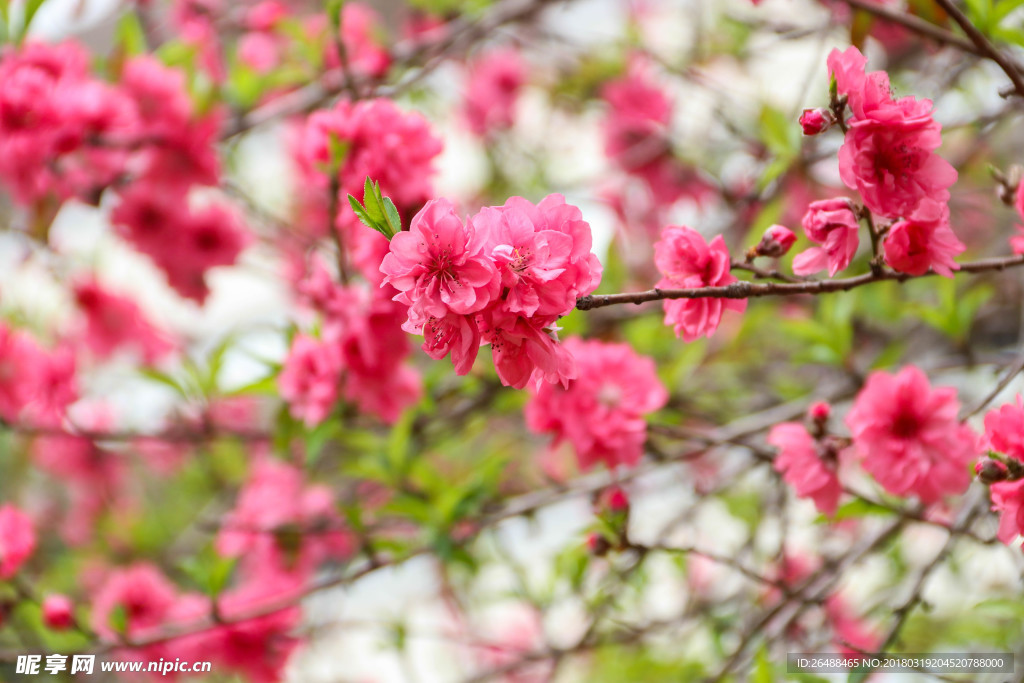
[984, 45]
[750, 290]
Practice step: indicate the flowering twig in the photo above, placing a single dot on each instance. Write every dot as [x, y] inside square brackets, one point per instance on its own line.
[751, 290]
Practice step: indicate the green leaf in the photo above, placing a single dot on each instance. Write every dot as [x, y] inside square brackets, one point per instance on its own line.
[31, 7]
[163, 378]
[1004, 8]
[391, 214]
[376, 211]
[130, 35]
[856, 509]
[118, 618]
[763, 667]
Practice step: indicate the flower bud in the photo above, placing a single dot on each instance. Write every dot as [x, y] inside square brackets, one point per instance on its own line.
[815, 121]
[990, 471]
[57, 612]
[613, 499]
[776, 242]
[820, 411]
[598, 544]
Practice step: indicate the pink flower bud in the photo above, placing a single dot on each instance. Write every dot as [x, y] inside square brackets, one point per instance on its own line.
[776, 242]
[815, 121]
[819, 411]
[57, 612]
[613, 499]
[990, 471]
[598, 544]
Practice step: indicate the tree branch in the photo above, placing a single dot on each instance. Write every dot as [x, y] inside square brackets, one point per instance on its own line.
[751, 290]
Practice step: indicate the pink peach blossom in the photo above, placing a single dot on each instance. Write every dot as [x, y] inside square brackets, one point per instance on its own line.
[909, 437]
[1004, 429]
[542, 254]
[310, 379]
[802, 466]
[601, 412]
[493, 83]
[1008, 501]
[58, 612]
[524, 350]
[113, 321]
[685, 261]
[280, 524]
[832, 224]
[17, 540]
[439, 265]
[888, 154]
[915, 245]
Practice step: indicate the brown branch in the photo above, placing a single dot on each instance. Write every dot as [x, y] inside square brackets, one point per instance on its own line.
[984, 45]
[750, 290]
[916, 25]
[460, 34]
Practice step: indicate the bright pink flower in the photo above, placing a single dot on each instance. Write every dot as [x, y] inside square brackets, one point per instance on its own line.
[456, 334]
[181, 148]
[266, 15]
[803, 467]
[367, 327]
[815, 121]
[182, 242]
[260, 51]
[776, 242]
[373, 347]
[310, 379]
[439, 265]
[865, 92]
[909, 437]
[58, 612]
[282, 525]
[601, 412]
[1004, 429]
[640, 112]
[832, 224]
[256, 647]
[1017, 241]
[210, 237]
[917, 244]
[637, 136]
[150, 218]
[113, 321]
[820, 411]
[686, 260]
[542, 253]
[394, 148]
[852, 634]
[31, 79]
[888, 154]
[17, 540]
[36, 384]
[141, 593]
[494, 81]
[1008, 500]
[523, 349]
